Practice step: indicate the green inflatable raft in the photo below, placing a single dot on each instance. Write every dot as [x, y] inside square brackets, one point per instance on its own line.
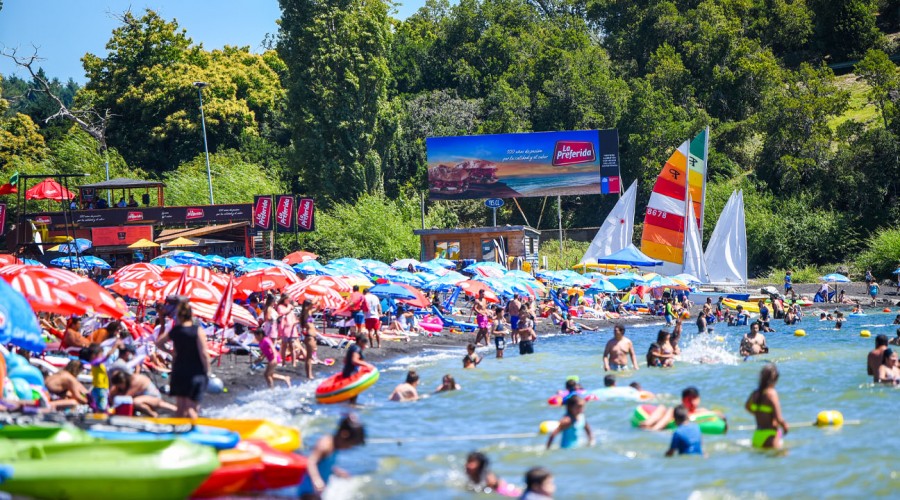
[136, 470]
[709, 422]
[41, 434]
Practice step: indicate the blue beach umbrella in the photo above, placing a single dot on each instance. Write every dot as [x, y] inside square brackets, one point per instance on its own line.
[896, 271]
[18, 324]
[308, 267]
[238, 261]
[82, 262]
[165, 262]
[601, 286]
[218, 261]
[445, 263]
[835, 278]
[405, 263]
[392, 292]
[32, 262]
[79, 245]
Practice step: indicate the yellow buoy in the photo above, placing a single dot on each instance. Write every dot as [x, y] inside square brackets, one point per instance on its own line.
[799, 333]
[548, 426]
[829, 418]
[720, 338]
[865, 333]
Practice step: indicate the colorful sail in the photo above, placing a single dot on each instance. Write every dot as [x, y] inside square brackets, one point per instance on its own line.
[664, 220]
[616, 231]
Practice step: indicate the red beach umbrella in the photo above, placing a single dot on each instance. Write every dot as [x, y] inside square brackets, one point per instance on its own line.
[49, 189]
[299, 257]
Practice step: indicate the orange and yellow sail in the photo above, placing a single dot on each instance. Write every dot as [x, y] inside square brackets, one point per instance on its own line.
[664, 220]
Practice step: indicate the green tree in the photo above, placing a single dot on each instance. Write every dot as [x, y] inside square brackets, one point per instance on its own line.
[337, 55]
[20, 141]
[77, 152]
[146, 82]
[877, 70]
[846, 29]
[29, 98]
[234, 180]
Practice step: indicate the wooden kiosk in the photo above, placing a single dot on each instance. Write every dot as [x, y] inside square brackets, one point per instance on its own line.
[518, 244]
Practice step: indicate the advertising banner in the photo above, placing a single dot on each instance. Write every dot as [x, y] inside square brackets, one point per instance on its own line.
[2, 218]
[262, 213]
[183, 216]
[120, 236]
[306, 214]
[523, 165]
[284, 214]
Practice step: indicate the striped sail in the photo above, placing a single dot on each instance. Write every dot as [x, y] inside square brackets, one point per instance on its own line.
[664, 221]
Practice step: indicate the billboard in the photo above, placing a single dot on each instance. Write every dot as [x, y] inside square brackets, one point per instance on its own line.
[262, 213]
[523, 165]
[176, 216]
[306, 214]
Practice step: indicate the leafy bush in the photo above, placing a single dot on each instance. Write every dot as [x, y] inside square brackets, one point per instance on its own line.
[573, 251]
[804, 274]
[234, 180]
[883, 253]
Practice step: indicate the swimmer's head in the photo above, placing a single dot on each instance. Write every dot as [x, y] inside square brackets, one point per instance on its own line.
[619, 330]
[882, 340]
[754, 327]
[768, 376]
[680, 414]
[571, 385]
[635, 385]
[690, 398]
[351, 432]
[822, 316]
[412, 377]
[539, 480]
[662, 337]
[889, 357]
[476, 465]
[609, 381]
[470, 348]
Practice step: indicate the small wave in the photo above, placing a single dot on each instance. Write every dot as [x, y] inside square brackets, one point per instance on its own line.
[706, 349]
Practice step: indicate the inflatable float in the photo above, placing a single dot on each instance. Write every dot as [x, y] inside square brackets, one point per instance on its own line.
[280, 470]
[709, 422]
[604, 394]
[557, 399]
[236, 467]
[337, 388]
[131, 429]
[431, 324]
[275, 435]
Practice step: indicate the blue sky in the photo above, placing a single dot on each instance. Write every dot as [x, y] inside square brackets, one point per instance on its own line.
[64, 30]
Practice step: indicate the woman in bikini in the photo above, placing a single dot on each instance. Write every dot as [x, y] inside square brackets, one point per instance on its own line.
[889, 372]
[765, 406]
[308, 327]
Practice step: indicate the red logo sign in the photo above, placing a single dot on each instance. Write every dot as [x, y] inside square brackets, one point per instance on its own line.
[194, 213]
[573, 153]
[2, 217]
[305, 211]
[284, 213]
[42, 219]
[135, 216]
[262, 212]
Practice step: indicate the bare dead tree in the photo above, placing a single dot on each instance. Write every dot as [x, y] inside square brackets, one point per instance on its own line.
[88, 119]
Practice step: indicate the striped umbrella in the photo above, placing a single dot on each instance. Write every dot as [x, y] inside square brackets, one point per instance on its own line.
[299, 257]
[193, 289]
[196, 272]
[240, 315]
[88, 293]
[325, 297]
[42, 297]
[472, 288]
[140, 266]
[223, 316]
[146, 289]
[335, 283]
[273, 278]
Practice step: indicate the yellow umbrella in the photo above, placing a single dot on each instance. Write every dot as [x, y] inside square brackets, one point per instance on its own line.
[182, 242]
[359, 281]
[143, 243]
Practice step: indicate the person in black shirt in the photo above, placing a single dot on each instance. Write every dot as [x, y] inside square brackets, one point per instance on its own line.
[355, 359]
[190, 361]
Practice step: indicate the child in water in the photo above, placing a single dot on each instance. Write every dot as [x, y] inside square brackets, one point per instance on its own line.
[539, 484]
[482, 480]
[570, 425]
[268, 352]
[321, 462]
[687, 439]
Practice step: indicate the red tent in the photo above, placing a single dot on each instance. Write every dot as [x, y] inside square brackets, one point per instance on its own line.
[49, 189]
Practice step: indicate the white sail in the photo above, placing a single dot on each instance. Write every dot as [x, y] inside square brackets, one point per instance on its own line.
[694, 261]
[616, 231]
[726, 253]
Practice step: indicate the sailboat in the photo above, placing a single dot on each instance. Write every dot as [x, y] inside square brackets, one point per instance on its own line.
[694, 259]
[616, 231]
[680, 190]
[726, 253]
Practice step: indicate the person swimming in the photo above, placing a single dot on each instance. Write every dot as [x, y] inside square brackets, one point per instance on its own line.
[571, 424]
[482, 480]
[763, 403]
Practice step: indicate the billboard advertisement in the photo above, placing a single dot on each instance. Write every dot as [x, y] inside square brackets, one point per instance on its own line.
[523, 165]
[306, 214]
[262, 213]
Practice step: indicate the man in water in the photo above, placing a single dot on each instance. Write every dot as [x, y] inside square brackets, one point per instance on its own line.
[407, 391]
[618, 350]
[661, 416]
[753, 343]
[514, 308]
[876, 357]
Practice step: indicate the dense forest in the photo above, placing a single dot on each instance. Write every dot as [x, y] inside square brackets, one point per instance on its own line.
[339, 104]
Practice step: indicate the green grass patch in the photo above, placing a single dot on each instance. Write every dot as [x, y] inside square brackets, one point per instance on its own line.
[859, 109]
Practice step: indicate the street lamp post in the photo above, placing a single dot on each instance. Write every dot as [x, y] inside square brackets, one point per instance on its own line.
[200, 86]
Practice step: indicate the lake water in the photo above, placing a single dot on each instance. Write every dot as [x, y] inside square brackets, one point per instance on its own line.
[826, 370]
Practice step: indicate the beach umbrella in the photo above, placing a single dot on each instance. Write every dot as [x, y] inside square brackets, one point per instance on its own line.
[629, 256]
[223, 315]
[238, 261]
[196, 272]
[406, 278]
[192, 288]
[896, 271]
[49, 189]
[260, 264]
[445, 263]
[393, 291]
[348, 261]
[687, 278]
[473, 288]
[405, 263]
[139, 289]
[517, 273]
[181, 242]
[325, 297]
[207, 311]
[601, 286]
[835, 278]
[425, 277]
[136, 275]
[19, 325]
[42, 297]
[299, 257]
[80, 262]
[308, 267]
[165, 262]
[140, 266]
[218, 261]
[265, 280]
[356, 280]
[659, 282]
[88, 293]
[335, 283]
[7, 259]
[78, 245]
[143, 243]
[31, 262]
[420, 301]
